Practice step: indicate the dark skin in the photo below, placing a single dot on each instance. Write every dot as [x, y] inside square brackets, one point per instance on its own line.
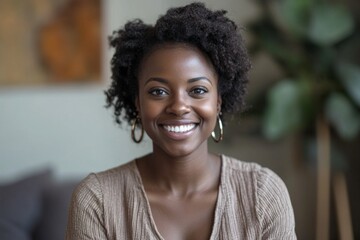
[178, 103]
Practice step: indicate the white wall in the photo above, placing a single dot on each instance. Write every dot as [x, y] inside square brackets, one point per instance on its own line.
[68, 128]
[65, 128]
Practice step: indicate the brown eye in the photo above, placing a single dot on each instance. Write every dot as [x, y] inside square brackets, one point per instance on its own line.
[198, 91]
[158, 92]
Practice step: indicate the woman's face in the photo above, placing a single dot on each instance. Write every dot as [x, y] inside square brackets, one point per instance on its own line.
[178, 99]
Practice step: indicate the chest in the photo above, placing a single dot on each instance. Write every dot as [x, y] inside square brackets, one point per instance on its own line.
[184, 219]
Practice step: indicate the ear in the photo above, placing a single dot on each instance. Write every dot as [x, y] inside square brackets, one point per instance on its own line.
[219, 102]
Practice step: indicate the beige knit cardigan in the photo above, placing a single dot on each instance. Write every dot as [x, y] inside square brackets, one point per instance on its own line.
[253, 203]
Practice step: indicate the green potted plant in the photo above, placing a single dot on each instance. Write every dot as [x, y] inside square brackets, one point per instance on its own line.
[316, 45]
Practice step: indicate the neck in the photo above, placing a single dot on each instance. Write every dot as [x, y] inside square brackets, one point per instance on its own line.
[180, 176]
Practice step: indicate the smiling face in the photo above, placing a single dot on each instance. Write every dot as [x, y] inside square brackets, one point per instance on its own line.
[178, 99]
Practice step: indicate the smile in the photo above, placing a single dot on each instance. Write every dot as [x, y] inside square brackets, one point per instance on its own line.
[179, 128]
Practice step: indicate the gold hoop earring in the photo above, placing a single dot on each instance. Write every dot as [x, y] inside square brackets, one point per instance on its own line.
[135, 122]
[221, 136]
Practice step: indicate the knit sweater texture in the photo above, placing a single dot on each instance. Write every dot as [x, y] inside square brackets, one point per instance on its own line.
[252, 203]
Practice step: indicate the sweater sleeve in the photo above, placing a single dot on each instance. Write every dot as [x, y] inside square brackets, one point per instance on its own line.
[86, 217]
[274, 207]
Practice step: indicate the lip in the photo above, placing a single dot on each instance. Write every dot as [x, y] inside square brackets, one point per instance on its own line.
[178, 122]
[178, 135]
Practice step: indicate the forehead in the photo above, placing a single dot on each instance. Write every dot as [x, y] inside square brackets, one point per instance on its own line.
[176, 57]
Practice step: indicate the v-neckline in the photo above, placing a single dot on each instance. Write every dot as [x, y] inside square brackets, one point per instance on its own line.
[219, 206]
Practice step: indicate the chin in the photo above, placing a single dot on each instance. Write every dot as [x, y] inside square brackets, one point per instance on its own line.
[179, 150]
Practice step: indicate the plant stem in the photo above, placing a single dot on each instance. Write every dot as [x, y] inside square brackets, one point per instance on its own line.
[323, 179]
[342, 207]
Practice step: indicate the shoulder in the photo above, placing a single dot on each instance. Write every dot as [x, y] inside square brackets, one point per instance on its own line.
[236, 165]
[95, 185]
[251, 179]
[265, 184]
[91, 201]
[249, 172]
[124, 172]
[261, 176]
[267, 193]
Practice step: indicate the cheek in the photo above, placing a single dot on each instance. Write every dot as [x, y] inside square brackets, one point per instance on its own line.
[208, 110]
[150, 110]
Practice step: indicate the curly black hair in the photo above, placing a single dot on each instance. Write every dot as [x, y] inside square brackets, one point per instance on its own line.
[194, 24]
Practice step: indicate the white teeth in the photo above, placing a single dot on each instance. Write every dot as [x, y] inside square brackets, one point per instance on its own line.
[179, 129]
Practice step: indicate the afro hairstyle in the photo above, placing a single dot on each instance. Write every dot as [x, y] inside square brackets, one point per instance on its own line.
[194, 24]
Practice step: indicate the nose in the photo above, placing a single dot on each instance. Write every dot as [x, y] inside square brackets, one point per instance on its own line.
[178, 104]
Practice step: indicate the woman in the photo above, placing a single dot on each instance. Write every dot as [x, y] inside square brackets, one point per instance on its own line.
[176, 80]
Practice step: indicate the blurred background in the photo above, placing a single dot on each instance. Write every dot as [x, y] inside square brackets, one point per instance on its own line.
[302, 120]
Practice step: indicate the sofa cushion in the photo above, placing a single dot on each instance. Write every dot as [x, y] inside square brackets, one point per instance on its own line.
[10, 231]
[56, 200]
[20, 205]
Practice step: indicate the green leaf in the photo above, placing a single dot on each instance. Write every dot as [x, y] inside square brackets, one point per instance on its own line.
[295, 15]
[324, 58]
[330, 24]
[283, 114]
[307, 99]
[342, 115]
[280, 52]
[350, 78]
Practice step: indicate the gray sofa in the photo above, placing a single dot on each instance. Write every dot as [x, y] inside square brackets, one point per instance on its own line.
[35, 207]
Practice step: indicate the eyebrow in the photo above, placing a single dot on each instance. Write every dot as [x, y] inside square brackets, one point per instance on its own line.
[191, 80]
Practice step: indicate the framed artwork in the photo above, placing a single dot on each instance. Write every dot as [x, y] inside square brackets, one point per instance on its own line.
[50, 41]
